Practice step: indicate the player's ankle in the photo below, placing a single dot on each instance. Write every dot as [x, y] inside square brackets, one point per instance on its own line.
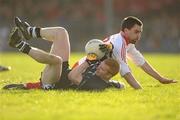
[23, 47]
[34, 32]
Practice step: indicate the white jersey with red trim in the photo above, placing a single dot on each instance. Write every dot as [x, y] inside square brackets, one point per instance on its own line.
[121, 52]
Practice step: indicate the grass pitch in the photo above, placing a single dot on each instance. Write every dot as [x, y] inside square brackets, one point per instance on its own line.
[155, 102]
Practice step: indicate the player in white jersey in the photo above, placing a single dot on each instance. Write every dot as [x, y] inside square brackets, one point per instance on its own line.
[124, 47]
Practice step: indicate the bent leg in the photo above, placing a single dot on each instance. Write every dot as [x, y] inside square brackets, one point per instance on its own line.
[58, 35]
[60, 38]
[52, 71]
[60, 47]
[53, 62]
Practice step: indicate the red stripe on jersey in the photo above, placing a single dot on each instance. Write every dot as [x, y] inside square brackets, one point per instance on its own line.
[123, 51]
[125, 38]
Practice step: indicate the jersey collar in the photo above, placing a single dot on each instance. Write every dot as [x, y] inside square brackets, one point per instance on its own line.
[125, 38]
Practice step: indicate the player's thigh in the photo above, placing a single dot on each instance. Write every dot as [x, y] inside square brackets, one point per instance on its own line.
[62, 49]
[51, 74]
[60, 38]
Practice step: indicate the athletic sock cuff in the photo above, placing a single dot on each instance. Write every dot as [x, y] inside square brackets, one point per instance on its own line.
[24, 47]
[37, 31]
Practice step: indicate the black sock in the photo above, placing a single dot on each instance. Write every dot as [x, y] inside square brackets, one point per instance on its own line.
[34, 32]
[23, 47]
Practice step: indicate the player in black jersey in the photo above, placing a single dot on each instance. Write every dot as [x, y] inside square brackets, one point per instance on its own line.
[57, 74]
[92, 77]
[96, 76]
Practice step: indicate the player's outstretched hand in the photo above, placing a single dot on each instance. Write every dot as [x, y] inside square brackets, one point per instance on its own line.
[167, 81]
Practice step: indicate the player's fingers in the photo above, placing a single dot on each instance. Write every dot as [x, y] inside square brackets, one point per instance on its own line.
[170, 81]
[102, 47]
[174, 81]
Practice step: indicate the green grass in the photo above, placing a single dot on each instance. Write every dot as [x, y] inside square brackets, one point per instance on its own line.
[155, 102]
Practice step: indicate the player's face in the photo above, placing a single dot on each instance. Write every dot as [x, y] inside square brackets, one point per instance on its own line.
[134, 34]
[103, 71]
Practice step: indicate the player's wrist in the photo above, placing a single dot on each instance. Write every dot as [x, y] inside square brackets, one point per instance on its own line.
[161, 78]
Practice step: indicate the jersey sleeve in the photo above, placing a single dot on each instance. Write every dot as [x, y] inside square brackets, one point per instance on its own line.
[135, 55]
[124, 68]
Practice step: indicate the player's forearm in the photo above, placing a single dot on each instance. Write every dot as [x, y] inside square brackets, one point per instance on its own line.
[151, 71]
[132, 81]
[81, 68]
[76, 74]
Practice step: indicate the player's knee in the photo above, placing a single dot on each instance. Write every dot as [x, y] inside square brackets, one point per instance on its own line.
[59, 60]
[55, 59]
[61, 31]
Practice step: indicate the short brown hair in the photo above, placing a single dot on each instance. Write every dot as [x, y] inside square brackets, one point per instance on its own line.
[113, 65]
[129, 22]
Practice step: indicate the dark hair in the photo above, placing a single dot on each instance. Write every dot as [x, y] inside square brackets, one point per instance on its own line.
[129, 22]
[113, 65]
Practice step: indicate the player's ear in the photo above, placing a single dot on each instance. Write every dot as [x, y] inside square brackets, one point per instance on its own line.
[126, 30]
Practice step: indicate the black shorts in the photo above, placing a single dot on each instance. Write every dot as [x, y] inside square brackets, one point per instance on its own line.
[64, 82]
